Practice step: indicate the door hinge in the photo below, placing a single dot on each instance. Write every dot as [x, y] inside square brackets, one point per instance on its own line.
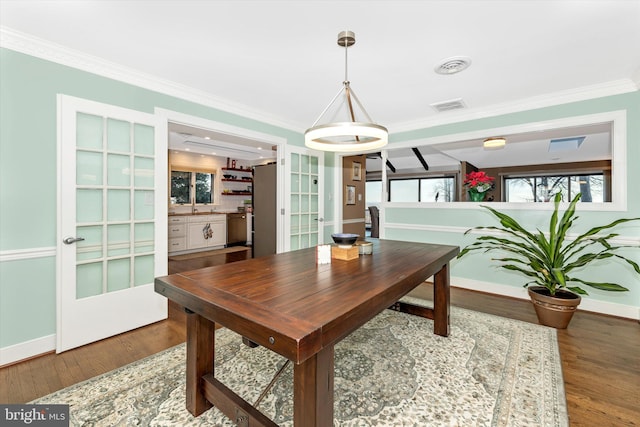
[282, 211]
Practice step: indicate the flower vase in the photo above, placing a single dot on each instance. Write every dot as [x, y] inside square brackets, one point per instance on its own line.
[476, 196]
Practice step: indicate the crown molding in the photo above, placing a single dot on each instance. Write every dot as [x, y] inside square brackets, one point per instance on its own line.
[40, 48]
[43, 49]
[615, 87]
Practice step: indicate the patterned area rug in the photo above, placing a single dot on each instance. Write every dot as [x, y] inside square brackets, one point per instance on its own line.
[393, 371]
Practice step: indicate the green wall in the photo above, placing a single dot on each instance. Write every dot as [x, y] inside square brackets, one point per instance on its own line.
[480, 267]
[28, 181]
[28, 193]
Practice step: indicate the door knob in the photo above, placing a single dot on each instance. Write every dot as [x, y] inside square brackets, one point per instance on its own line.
[70, 240]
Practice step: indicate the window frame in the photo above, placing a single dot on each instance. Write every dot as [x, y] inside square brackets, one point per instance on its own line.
[192, 186]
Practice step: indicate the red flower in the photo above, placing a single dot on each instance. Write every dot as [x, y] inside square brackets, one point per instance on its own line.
[478, 181]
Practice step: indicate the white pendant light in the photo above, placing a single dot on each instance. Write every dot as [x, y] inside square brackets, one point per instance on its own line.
[347, 136]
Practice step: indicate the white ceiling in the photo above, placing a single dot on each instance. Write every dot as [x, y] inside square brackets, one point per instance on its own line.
[279, 61]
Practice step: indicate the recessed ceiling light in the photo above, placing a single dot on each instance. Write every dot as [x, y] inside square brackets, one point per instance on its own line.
[187, 149]
[453, 65]
[206, 137]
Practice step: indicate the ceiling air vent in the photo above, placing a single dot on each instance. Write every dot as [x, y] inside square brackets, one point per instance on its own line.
[452, 104]
[453, 65]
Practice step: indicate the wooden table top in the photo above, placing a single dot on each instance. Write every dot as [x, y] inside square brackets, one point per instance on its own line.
[291, 305]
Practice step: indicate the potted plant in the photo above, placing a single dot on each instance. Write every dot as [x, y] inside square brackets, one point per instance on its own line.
[550, 260]
[477, 185]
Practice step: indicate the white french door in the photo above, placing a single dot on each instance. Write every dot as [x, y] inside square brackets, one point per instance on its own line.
[304, 187]
[109, 182]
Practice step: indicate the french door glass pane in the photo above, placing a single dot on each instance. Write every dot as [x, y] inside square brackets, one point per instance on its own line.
[118, 274]
[144, 202]
[143, 140]
[91, 247]
[89, 130]
[88, 280]
[118, 205]
[295, 242]
[143, 238]
[118, 239]
[88, 205]
[118, 170]
[89, 168]
[295, 203]
[143, 270]
[118, 136]
[143, 167]
[295, 162]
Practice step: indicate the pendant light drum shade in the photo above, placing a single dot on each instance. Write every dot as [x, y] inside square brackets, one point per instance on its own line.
[346, 137]
[349, 136]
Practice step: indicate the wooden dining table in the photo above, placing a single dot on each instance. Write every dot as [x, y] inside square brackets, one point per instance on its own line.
[299, 309]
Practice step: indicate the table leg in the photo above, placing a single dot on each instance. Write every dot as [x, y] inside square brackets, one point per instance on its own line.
[200, 353]
[441, 301]
[313, 390]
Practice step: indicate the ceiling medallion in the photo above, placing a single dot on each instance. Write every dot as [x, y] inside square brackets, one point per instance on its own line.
[347, 136]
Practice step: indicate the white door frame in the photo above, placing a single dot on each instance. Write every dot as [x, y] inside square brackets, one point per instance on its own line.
[165, 116]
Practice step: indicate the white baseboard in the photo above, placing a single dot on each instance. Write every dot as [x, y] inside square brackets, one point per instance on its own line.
[24, 350]
[587, 304]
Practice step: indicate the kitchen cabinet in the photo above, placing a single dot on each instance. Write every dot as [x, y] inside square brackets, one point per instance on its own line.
[190, 233]
[206, 231]
[177, 233]
[236, 182]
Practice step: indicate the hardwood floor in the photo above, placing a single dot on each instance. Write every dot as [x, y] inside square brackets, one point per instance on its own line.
[600, 356]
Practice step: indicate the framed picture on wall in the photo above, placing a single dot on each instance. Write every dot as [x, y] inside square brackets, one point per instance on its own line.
[351, 194]
[356, 171]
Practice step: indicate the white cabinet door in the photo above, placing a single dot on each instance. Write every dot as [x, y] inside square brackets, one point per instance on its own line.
[219, 237]
[195, 236]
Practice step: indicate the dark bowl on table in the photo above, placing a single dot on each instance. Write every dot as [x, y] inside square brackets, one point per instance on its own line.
[345, 239]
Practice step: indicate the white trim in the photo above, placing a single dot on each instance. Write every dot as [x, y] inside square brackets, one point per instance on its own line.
[587, 304]
[40, 48]
[619, 240]
[618, 164]
[615, 87]
[24, 350]
[30, 253]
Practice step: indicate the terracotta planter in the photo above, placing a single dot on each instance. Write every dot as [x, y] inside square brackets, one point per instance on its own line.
[555, 311]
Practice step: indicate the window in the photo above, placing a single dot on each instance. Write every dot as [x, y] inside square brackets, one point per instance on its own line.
[436, 189]
[183, 183]
[373, 192]
[543, 188]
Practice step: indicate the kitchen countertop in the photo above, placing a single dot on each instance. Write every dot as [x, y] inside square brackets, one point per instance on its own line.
[203, 213]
